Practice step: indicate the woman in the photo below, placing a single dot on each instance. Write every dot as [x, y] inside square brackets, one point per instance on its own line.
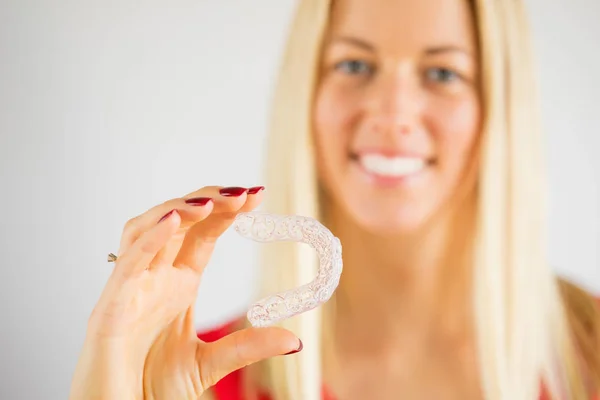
[408, 127]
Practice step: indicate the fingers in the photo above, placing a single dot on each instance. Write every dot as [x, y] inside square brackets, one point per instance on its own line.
[221, 201]
[190, 212]
[192, 208]
[168, 253]
[199, 242]
[242, 348]
[142, 252]
[253, 199]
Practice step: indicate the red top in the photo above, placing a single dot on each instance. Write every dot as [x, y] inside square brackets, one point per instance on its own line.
[230, 387]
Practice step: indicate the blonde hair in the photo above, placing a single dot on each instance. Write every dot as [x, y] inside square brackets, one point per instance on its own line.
[522, 331]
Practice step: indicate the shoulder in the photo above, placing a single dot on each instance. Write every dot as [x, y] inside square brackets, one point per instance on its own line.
[582, 306]
[583, 312]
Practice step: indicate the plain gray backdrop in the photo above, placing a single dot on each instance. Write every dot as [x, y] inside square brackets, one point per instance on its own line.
[110, 107]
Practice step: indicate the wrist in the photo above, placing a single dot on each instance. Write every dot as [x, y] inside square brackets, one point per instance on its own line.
[106, 370]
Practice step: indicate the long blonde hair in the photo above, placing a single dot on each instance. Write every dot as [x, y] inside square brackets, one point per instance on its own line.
[522, 331]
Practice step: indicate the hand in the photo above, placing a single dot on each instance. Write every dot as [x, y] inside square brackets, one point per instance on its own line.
[141, 342]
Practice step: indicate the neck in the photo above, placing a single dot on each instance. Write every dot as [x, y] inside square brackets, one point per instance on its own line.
[408, 286]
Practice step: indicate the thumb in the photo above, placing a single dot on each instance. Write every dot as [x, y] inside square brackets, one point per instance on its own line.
[243, 348]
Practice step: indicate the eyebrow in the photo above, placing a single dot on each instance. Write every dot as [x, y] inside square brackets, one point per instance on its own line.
[354, 41]
[447, 49]
[369, 47]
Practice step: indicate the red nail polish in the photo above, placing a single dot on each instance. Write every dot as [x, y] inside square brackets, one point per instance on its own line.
[297, 350]
[255, 189]
[167, 215]
[232, 191]
[198, 201]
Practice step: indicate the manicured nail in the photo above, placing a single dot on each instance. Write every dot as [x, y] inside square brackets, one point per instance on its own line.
[232, 191]
[167, 215]
[255, 189]
[300, 347]
[198, 201]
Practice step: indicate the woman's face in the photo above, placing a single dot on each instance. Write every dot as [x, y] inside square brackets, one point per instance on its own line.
[397, 112]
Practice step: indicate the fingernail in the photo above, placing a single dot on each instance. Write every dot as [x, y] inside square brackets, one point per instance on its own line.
[198, 201]
[255, 189]
[232, 191]
[167, 215]
[300, 347]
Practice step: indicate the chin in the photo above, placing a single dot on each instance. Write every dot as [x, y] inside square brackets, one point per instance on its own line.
[390, 222]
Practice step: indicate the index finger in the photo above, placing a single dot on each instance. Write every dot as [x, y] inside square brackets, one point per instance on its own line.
[224, 199]
[200, 240]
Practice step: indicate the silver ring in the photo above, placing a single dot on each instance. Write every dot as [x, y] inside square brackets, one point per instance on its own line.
[112, 257]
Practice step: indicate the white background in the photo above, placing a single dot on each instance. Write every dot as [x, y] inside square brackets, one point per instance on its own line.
[109, 107]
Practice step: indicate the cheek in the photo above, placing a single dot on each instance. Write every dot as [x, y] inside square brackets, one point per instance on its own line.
[335, 109]
[333, 117]
[456, 126]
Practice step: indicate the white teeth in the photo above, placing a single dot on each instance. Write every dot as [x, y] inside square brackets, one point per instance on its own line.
[392, 166]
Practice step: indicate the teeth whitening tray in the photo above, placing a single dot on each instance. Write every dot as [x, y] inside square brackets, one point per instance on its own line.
[264, 228]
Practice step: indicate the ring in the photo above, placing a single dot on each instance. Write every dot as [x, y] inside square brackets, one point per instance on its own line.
[112, 257]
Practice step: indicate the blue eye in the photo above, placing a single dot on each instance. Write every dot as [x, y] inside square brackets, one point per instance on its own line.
[441, 75]
[353, 67]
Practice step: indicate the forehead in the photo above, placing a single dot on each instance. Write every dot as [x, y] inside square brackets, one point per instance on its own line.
[405, 23]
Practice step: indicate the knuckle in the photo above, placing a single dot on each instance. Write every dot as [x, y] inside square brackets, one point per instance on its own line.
[130, 232]
[202, 190]
[208, 373]
[149, 246]
[239, 354]
[210, 368]
[170, 203]
[130, 226]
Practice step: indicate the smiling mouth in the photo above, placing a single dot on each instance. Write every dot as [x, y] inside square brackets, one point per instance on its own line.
[391, 167]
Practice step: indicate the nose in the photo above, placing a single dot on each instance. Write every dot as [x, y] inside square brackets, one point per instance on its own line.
[394, 104]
